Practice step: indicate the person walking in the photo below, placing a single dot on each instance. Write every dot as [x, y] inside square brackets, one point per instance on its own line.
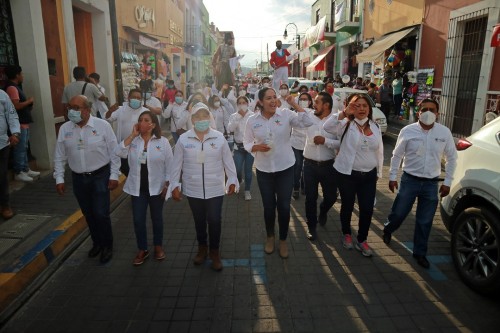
[82, 86]
[176, 111]
[150, 157]
[358, 166]
[204, 159]
[385, 97]
[319, 156]
[397, 93]
[237, 123]
[88, 145]
[267, 136]
[421, 146]
[9, 122]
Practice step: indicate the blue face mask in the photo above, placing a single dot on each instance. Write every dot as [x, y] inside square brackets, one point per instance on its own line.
[201, 125]
[178, 99]
[148, 95]
[134, 103]
[75, 116]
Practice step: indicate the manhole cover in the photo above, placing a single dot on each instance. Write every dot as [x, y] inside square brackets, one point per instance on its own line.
[21, 225]
[6, 244]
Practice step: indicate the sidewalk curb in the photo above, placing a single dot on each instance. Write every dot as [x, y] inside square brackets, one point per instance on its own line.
[17, 276]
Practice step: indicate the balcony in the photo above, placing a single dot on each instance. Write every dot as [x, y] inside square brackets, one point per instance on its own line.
[347, 16]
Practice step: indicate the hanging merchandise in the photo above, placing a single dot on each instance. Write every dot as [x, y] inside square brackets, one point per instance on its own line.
[425, 81]
[393, 59]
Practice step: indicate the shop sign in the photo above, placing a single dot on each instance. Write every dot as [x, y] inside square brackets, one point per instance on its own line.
[175, 28]
[144, 15]
[495, 36]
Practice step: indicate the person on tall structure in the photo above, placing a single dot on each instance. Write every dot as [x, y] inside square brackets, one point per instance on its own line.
[220, 62]
[279, 61]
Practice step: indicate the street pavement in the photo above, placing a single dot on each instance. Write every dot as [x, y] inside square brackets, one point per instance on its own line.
[321, 287]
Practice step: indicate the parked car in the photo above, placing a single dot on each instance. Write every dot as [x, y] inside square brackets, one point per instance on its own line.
[378, 115]
[471, 212]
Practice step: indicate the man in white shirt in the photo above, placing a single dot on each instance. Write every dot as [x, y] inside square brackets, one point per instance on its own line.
[88, 143]
[319, 155]
[421, 146]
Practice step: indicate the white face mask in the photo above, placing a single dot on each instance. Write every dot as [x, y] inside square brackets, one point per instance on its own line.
[304, 104]
[267, 85]
[427, 118]
[242, 107]
[217, 104]
[361, 122]
[283, 92]
[242, 93]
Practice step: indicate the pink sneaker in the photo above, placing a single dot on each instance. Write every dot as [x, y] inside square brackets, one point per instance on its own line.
[347, 241]
[364, 248]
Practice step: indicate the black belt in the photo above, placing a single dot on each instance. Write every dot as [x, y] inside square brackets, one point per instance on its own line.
[363, 173]
[422, 179]
[319, 163]
[93, 173]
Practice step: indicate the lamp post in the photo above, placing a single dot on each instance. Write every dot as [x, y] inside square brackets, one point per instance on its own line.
[297, 40]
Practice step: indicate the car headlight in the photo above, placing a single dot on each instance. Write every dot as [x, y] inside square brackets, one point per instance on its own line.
[380, 121]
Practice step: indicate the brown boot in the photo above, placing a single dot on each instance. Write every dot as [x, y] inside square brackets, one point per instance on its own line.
[202, 255]
[269, 248]
[283, 249]
[7, 212]
[215, 257]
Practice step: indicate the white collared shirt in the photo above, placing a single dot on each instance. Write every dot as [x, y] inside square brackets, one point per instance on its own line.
[176, 112]
[158, 160]
[322, 152]
[86, 148]
[353, 144]
[237, 125]
[221, 117]
[422, 151]
[275, 132]
[126, 118]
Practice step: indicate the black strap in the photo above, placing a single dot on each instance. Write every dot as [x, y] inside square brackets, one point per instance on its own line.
[345, 131]
[84, 87]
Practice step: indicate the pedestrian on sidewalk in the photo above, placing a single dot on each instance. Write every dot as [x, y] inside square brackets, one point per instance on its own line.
[82, 86]
[267, 136]
[421, 146]
[385, 97]
[319, 156]
[176, 111]
[358, 166]
[23, 107]
[88, 145]
[204, 159]
[149, 157]
[9, 122]
[397, 93]
[237, 123]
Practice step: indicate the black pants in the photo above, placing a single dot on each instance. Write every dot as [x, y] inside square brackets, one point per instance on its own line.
[4, 181]
[124, 167]
[207, 212]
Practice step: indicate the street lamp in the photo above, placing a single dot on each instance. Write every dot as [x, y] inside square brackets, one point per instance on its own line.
[297, 39]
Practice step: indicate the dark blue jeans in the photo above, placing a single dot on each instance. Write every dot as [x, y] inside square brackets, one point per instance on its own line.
[298, 179]
[241, 156]
[139, 210]
[315, 174]
[92, 194]
[4, 180]
[364, 186]
[276, 192]
[207, 212]
[427, 193]
[398, 100]
[20, 152]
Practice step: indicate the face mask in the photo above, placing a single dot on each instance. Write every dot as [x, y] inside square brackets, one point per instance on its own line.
[217, 104]
[199, 90]
[361, 122]
[329, 90]
[145, 127]
[134, 103]
[427, 118]
[283, 92]
[170, 86]
[243, 93]
[148, 95]
[178, 99]
[304, 104]
[75, 116]
[201, 125]
[266, 85]
[242, 107]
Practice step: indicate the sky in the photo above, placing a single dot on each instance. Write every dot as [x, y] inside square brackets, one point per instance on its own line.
[258, 22]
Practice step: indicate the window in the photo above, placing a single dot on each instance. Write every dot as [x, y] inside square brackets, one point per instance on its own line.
[317, 15]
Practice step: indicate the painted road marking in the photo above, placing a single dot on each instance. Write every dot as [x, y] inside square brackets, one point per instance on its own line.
[433, 270]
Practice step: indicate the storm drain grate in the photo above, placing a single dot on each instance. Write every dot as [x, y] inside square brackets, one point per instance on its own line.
[20, 226]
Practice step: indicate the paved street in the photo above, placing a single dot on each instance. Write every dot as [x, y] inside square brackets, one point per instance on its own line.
[322, 287]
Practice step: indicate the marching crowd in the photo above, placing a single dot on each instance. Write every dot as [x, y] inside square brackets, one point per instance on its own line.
[295, 140]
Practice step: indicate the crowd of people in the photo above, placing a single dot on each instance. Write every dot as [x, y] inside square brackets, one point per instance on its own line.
[296, 141]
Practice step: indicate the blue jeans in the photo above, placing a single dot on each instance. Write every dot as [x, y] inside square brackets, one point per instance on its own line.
[276, 192]
[92, 194]
[207, 212]
[364, 186]
[398, 100]
[139, 209]
[315, 174]
[4, 180]
[427, 193]
[240, 157]
[298, 179]
[20, 152]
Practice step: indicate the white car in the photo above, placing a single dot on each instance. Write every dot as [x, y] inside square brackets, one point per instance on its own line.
[471, 212]
[378, 115]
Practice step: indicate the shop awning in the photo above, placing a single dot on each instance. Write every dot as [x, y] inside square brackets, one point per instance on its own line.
[318, 64]
[377, 49]
[145, 39]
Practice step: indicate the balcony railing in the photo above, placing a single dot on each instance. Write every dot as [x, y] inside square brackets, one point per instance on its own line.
[347, 16]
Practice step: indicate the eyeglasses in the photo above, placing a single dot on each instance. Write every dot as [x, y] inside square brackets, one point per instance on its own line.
[428, 109]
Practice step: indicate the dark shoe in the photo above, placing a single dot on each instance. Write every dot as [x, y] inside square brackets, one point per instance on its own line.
[422, 261]
[201, 256]
[322, 219]
[295, 194]
[94, 251]
[216, 262]
[312, 235]
[387, 237]
[7, 212]
[140, 257]
[159, 253]
[106, 254]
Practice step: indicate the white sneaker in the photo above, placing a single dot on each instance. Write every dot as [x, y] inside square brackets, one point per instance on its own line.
[32, 173]
[248, 196]
[23, 176]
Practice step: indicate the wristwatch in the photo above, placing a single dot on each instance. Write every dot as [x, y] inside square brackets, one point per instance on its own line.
[16, 134]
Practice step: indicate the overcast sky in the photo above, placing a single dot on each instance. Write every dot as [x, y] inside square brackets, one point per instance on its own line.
[257, 22]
